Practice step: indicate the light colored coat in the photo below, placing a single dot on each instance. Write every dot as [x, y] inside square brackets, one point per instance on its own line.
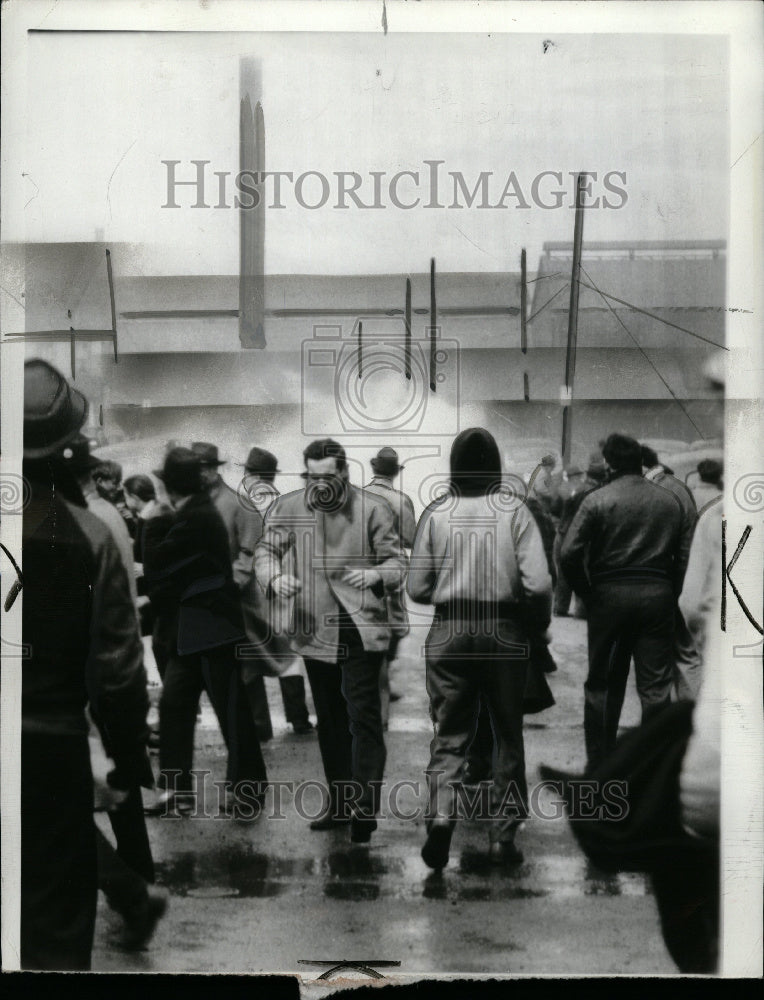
[323, 547]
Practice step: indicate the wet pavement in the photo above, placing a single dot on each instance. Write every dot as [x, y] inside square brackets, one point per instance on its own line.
[259, 896]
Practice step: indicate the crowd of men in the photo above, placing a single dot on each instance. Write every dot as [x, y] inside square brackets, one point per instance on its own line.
[236, 586]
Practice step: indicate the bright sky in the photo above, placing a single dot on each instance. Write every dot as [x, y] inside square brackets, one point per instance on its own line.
[105, 111]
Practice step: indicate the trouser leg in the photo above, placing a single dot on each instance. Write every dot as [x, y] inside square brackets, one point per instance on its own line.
[479, 756]
[125, 889]
[222, 681]
[181, 689]
[687, 662]
[293, 696]
[360, 688]
[453, 689]
[59, 877]
[503, 684]
[333, 724]
[257, 699]
[129, 825]
[610, 647]
[562, 590]
[654, 648]
[687, 895]
[384, 690]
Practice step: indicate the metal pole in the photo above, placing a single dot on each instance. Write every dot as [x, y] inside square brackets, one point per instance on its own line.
[110, 276]
[570, 361]
[360, 348]
[523, 304]
[407, 318]
[433, 316]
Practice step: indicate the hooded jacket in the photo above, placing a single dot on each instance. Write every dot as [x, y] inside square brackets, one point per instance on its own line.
[479, 543]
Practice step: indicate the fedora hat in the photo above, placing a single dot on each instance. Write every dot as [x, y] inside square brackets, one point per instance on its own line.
[385, 462]
[260, 460]
[54, 411]
[208, 453]
[181, 472]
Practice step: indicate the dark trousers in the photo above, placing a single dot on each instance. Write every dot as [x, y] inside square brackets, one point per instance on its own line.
[480, 751]
[563, 592]
[625, 619]
[126, 890]
[125, 873]
[58, 853]
[129, 825]
[468, 661]
[293, 696]
[687, 894]
[349, 717]
[215, 671]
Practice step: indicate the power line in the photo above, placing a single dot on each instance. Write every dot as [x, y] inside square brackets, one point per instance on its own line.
[642, 352]
[541, 308]
[645, 312]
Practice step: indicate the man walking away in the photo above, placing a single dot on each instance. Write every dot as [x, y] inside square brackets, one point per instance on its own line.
[482, 564]
[625, 555]
[188, 571]
[81, 635]
[244, 527]
[334, 548]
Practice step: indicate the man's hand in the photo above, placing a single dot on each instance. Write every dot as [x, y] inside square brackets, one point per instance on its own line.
[286, 585]
[362, 579]
[106, 798]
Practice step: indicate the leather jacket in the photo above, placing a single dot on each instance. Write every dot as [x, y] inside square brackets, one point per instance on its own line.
[630, 529]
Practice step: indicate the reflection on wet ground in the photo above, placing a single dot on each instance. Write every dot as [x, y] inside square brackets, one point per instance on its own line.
[361, 874]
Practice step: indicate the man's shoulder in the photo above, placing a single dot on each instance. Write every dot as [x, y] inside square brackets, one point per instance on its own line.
[371, 500]
[96, 534]
[286, 505]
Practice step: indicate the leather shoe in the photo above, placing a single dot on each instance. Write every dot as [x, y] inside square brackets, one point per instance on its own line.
[435, 850]
[361, 829]
[328, 822]
[303, 728]
[505, 854]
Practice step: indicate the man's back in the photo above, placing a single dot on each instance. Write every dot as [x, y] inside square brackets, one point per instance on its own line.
[403, 508]
[630, 524]
[81, 627]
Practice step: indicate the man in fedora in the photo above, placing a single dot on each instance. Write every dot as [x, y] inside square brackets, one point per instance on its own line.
[386, 467]
[82, 647]
[190, 581]
[244, 526]
[259, 492]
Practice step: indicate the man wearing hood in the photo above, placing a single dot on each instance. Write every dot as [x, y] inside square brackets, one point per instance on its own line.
[479, 558]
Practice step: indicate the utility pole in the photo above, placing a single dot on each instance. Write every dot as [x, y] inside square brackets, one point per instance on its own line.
[523, 303]
[570, 361]
[407, 320]
[433, 332]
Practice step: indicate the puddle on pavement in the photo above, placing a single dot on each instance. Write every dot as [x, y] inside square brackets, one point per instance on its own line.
[359, 875]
